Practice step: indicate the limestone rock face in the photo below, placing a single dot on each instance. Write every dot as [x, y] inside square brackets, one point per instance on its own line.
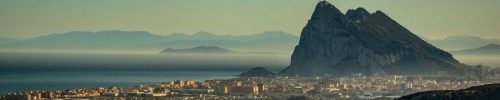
[333, 43]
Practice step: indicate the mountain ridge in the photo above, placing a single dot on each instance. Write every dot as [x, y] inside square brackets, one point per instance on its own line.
[198, 49]
[332, 43]
[449, 43]
[489, 49]
[461, 42]
[274, 40]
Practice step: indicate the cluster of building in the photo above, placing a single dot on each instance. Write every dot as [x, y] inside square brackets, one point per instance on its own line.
[35, 95]
[356, 86]
[366, 87]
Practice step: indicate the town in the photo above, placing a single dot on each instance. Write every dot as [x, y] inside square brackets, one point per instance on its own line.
[356, 86]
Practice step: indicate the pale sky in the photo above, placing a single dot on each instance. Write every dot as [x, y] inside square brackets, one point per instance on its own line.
[429, 18]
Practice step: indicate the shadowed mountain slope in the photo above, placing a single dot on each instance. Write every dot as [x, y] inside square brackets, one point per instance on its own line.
[361, 42]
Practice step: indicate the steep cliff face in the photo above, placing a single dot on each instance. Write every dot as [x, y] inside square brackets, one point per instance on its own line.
[361, 42]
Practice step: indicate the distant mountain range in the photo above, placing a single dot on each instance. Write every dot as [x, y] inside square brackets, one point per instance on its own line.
[490, 49]
[273, 41]
[199, 49]
[277, 41]
[6, 40]
[454, 43]
[79, 39]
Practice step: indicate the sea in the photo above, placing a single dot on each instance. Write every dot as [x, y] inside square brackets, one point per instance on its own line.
[46, 80]
[27, 71]
[33, 71]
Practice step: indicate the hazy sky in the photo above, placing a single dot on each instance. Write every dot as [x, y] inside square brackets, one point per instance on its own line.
[429, 18]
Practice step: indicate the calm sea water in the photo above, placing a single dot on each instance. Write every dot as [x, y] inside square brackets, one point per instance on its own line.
[43, 80]
[42, 71]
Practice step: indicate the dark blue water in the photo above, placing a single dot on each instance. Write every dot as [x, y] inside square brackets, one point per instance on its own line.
[40, 80]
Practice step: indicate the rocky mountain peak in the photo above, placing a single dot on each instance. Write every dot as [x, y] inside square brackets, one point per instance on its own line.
[332, 43]
[325, 11]
[325, 6]
[357, 15]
